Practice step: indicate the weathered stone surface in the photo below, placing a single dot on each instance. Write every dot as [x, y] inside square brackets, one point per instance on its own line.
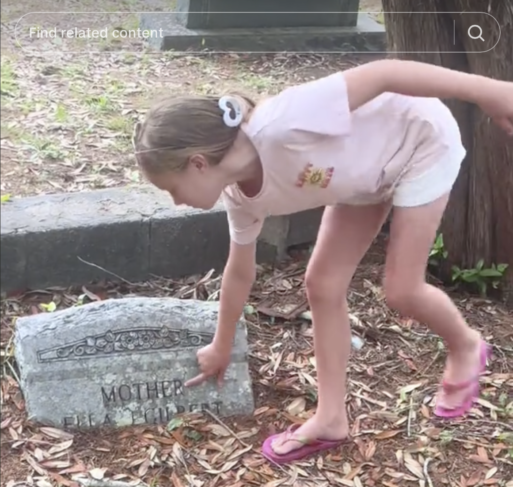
[220, 14]
[306, 222]
[125, 361]
[74, 238]
[70, 237]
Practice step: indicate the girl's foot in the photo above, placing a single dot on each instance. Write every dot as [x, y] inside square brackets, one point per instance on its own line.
[461, 378]
[315, 428]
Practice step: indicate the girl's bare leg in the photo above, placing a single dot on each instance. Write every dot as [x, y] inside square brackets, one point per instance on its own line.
[345, 235]
[412, 233]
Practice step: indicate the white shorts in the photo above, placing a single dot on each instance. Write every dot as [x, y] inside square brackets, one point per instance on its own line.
[430, 185]
[416, 188]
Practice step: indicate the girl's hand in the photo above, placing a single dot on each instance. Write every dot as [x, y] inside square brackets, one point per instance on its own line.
[213, 362]
[496, 100]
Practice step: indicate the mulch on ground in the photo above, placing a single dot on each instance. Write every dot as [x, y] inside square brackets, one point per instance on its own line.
[392, 380]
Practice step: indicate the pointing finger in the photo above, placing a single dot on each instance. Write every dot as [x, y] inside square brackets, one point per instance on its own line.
[220, 378]
[195, 381]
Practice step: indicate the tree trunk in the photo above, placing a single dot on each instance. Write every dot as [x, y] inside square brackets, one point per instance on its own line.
[478, 223]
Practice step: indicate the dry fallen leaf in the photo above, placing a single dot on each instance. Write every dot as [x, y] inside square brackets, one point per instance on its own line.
[370, 451]
[415, 468]
[60, 480]
[297, 406]
[97, 473]
[383, 435]
[38, 468]
[410, 388]
[60, 447]
[218, 430]
[176, 481]
[144, 467]
[275, 483]
[56, 433]
[474, 479]
[357, 482]
[491, 473]
[345, 482]
[57, 464]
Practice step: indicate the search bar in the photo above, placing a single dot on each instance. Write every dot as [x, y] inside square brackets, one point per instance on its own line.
[88, 32]
[470, 32]
[477, 29]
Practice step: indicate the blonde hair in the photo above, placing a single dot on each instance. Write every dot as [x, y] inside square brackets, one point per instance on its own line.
[175, 128]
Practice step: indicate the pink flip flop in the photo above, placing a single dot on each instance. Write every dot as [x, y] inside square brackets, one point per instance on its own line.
[310, 446]
[472, 385]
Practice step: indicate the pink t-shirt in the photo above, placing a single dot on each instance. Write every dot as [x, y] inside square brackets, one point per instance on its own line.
[315, 152]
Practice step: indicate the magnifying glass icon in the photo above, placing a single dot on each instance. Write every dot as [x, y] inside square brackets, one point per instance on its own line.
[480, 32]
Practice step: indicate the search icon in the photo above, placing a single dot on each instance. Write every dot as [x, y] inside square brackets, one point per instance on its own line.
[479, 36]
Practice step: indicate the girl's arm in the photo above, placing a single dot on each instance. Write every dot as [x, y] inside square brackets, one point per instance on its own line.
[238, 278]
[412, 78]
[367, 81]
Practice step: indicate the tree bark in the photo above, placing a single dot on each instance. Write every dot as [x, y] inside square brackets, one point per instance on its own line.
[478, 223]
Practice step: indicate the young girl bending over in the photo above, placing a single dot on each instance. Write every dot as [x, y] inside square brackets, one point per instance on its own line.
[357, 142]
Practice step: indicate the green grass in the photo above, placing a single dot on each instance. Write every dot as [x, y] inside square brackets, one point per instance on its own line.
[100, 103]
[260, 84]
[119, 123]
[132, 22]
[8, 82]
[75, 71]
[42, 148]
[31, 105]
[114, 86]
[61, 113]
[11, 132]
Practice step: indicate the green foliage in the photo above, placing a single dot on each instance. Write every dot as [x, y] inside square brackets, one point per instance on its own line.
[438, 251]
[479, 277]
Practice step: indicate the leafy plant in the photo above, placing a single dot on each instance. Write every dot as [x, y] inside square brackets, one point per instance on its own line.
[49, 307]
[480, 276]
[446, 437]
[8, 81]
[175, 423]
[438, 251]
[61, 114]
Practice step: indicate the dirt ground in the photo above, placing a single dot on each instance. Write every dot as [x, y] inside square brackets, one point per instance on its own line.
[67, 117]
[69, 105]
[392, 379]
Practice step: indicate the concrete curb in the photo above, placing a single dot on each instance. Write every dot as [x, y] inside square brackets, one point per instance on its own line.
[65, 239]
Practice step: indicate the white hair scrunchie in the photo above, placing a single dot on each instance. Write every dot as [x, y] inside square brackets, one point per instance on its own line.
[224, 103]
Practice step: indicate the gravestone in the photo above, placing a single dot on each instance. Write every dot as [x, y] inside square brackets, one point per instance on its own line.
[124, 362]
[226, 14]
[265, 26]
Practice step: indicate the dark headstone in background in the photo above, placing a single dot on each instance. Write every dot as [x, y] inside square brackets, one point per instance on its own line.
[223, 14]
[265, 26]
